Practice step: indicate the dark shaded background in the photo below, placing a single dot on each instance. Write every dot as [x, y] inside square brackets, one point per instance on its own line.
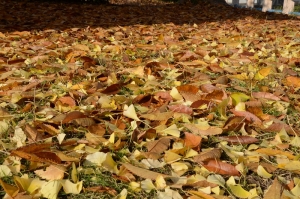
[19, 15]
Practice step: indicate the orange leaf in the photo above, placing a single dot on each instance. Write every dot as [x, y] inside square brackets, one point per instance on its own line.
[180, 108]
[293, 81]
[220, 167]
[67, 101]
[191, 140]
[274, 191]
[274, 152]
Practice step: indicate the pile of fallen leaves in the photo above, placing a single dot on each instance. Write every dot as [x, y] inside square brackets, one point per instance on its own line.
[166, 101]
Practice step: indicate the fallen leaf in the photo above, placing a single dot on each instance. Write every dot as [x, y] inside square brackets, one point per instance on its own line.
[220, 167]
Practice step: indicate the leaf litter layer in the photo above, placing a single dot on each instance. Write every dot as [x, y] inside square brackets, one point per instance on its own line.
[168, 101]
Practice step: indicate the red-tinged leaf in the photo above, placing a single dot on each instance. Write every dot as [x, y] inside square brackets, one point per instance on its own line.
[265, 95]
[72, 116]
[191, 140]
[239, 139]
[179, 108]
[223, 168]
[112, 89]
[208, 88]
[164, 95]
[248, 116]
[278, 125]
[67, 101]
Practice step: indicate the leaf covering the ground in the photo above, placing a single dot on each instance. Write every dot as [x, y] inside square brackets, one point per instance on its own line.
[194, 101]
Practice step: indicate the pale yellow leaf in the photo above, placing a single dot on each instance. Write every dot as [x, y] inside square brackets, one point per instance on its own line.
[50, 189]
[172, 130]
[69, 187]
[130, 112]
[160, 182]
[147, 185]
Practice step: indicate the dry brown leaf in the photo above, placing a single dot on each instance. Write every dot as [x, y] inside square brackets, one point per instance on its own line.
[67, 100]
[239, 139]
[72, 116]
[274, 191]
[143, 173]
[97, 129]
[248, 116]
[157, 116]
[158, 146]
[207, 155]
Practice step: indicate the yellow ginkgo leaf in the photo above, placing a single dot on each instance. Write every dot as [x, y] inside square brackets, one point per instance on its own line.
[50, 189]
[160, 182]
[70, 187]
[130, 112]
[172, 130]
[171, 157]
[262, 73]
[262, 172]
[147, 185]
[238, 191]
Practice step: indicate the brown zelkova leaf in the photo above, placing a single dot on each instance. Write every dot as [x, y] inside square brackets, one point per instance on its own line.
[48, 156]
[293, 81]
[223, 168]
[67, 100]
[144, 100]
[258, 112]
[97, 129]
[208, 88]
[191, 140]
[274, 191]
[248, 116]
[27, 156]
[49, 129]
[158, 146]
[189, 92]
[234, 123]
[199, 184]
[112, 89]
[274, 152]
[265, 95]
[143, 173]
[207, 155]
[180, 108]
[240, 139]
[217, 95]
[201, 102]
[33, 148]
[277, 126]
[31, 132]
[72, 116]
[84, 121]
[164, 95]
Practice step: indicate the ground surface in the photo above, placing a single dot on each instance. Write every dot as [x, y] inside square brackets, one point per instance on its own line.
[148, 101]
